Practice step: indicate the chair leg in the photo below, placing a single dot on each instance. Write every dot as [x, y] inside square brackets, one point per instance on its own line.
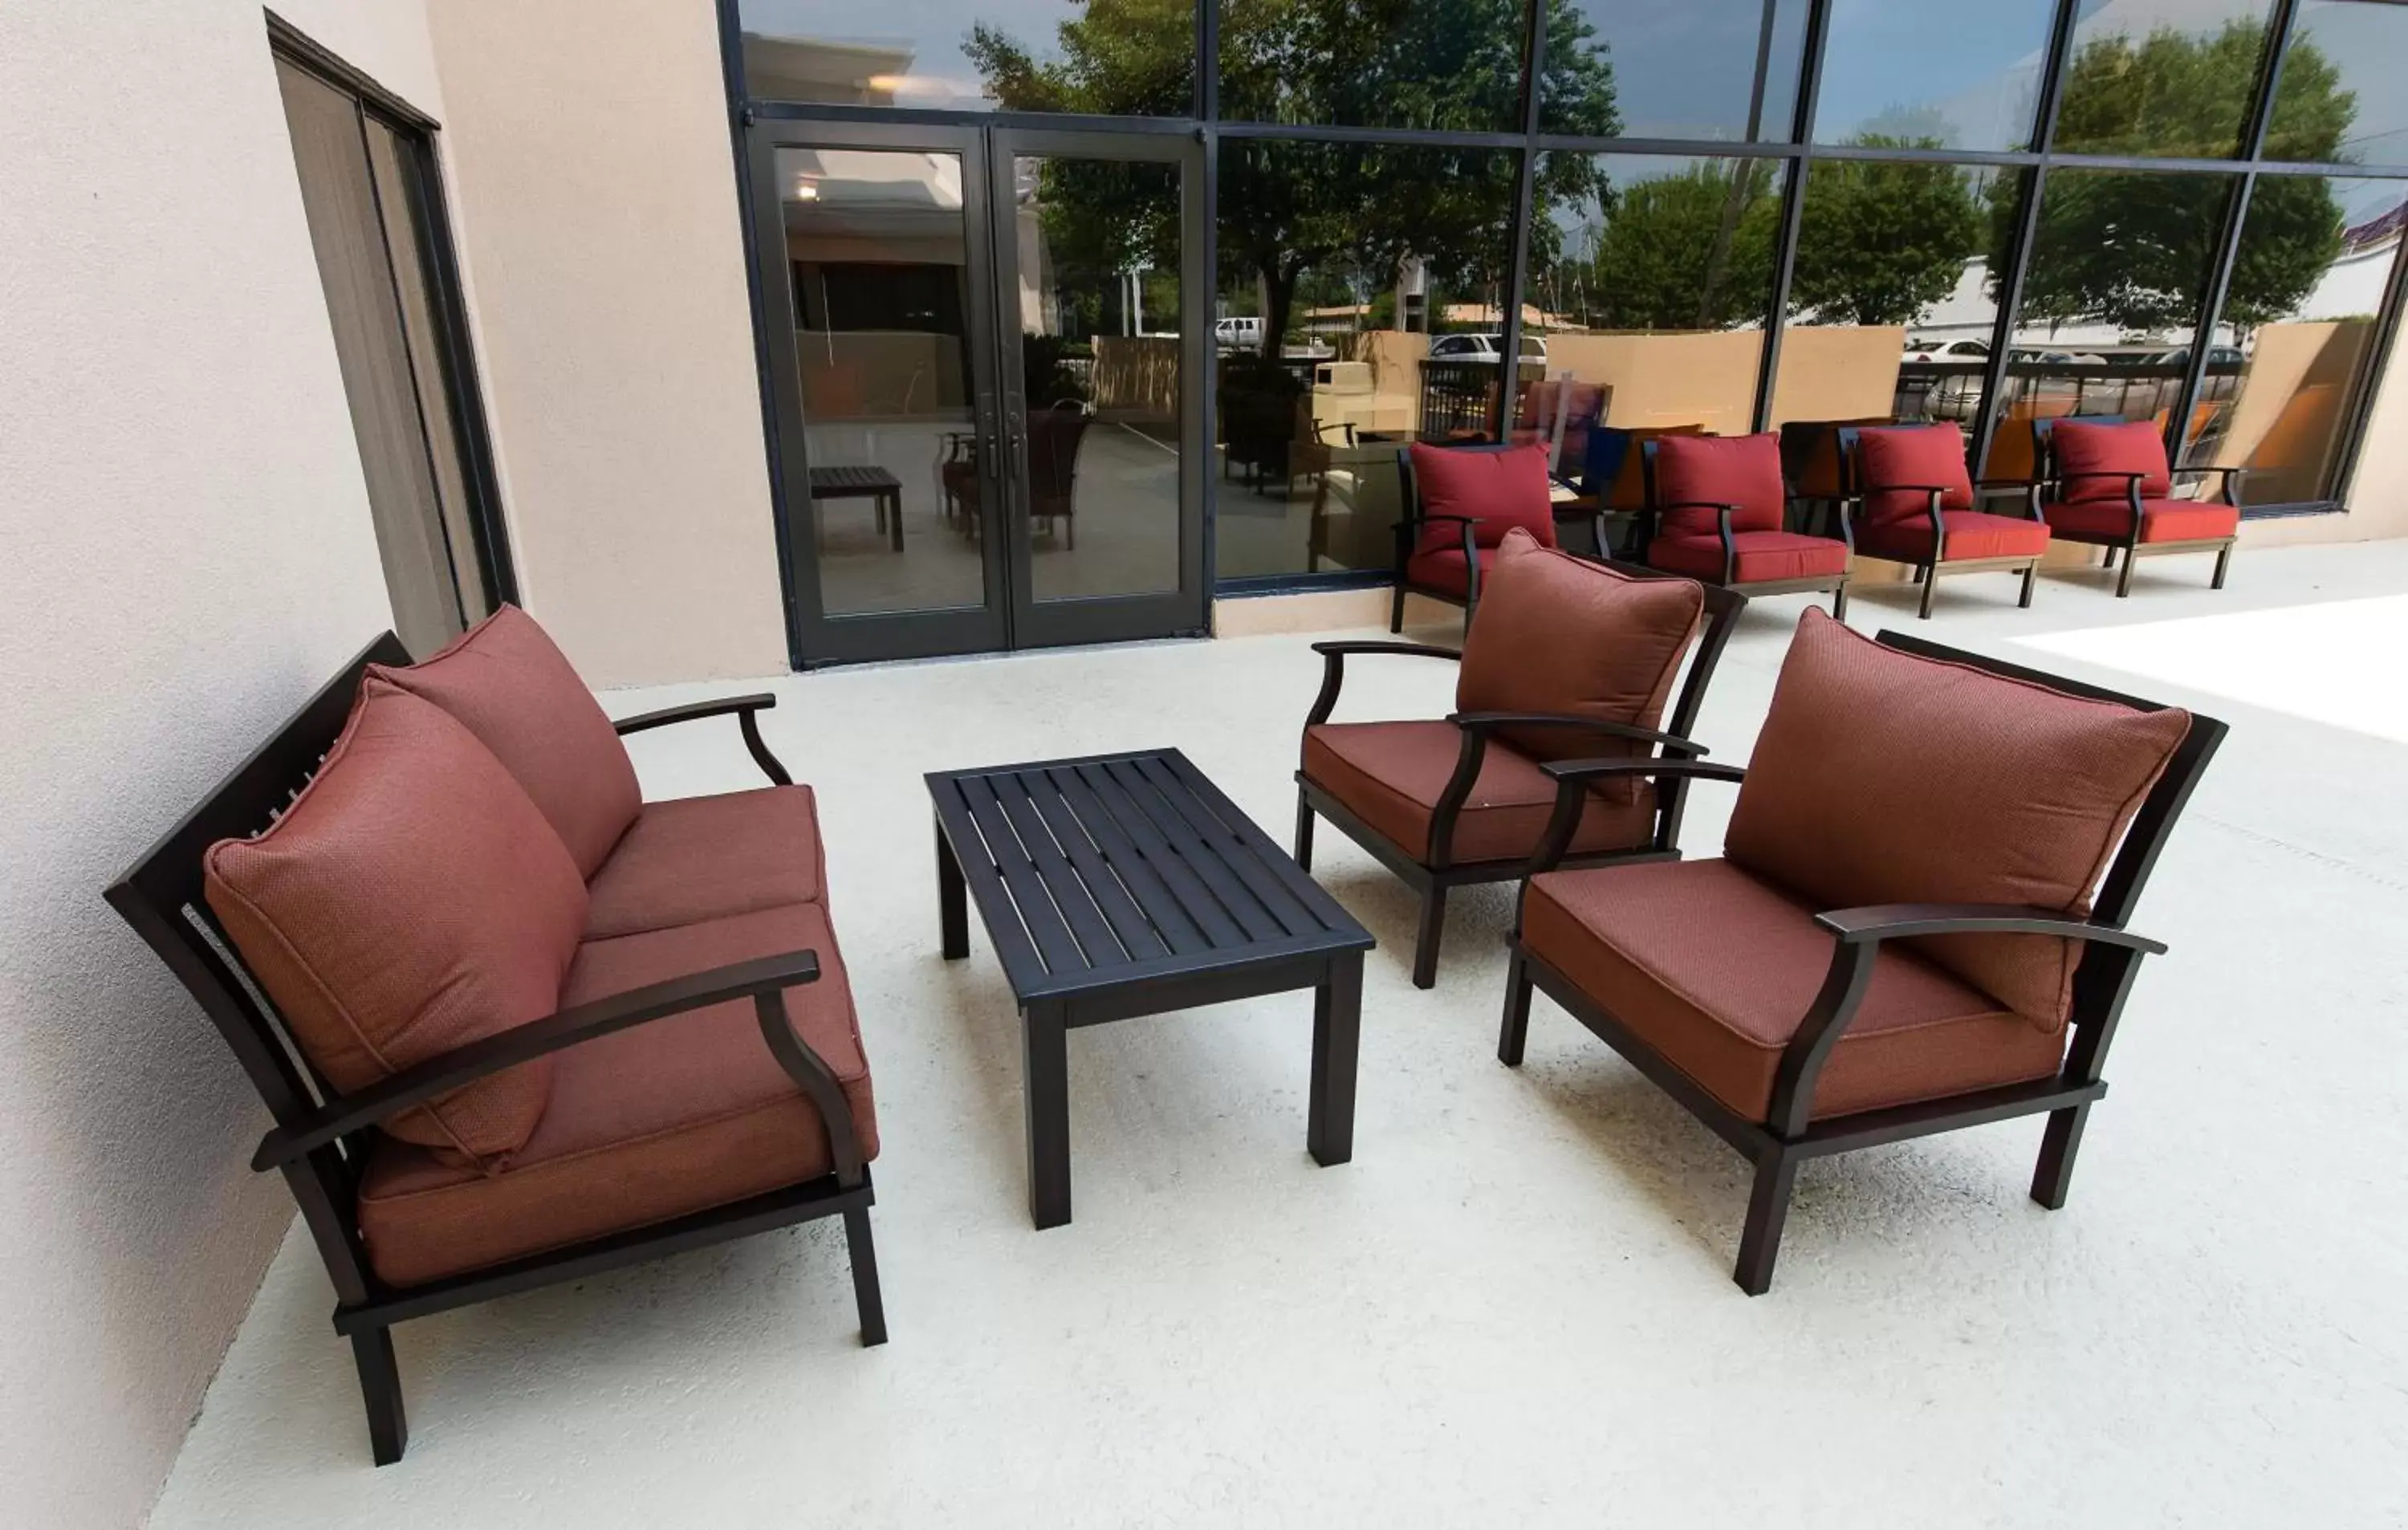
[2108, 561]
[1767, 1208]
[2057, 1145]
[1931, 582]
[381, 1388]
[1516, 1027]
[1840, 604]
[2124, 579]
[866, 1298]
[1425, 944]
[2223, 561]
[1396, 609]
[2031, 576]
[1920, 572]
[1303, 830]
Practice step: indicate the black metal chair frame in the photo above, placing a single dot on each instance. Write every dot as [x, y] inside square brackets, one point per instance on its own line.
[1409, 534]
[1927, 569]
[2111, 958]
[1432, 877]
[321, 1138]
[2050, 485]
[1645, 534]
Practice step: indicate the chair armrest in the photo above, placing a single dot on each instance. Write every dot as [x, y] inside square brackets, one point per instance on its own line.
[1694, 504]
[1467, 520]
[2227, 472]
[1906, 488]
[1899, 920]
[747, 711]
[1488, 721]
[1333, 669]
[2004, 483]
[764, 977]
[2128, 478]
[1572, 779]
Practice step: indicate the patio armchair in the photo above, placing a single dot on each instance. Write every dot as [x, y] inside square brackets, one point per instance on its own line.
[1565, 657]
[2105, 481]
[1814, 461]
[1718, 511]
[1459, 502]
[1902, 935]
[1916, 499]
[514, 1025]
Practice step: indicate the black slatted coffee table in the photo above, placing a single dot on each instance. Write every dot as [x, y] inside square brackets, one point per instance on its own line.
[1128, 884]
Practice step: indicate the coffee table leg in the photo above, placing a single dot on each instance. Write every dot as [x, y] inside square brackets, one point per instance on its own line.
[895, 519]
[953, 905]
[1337, 1027]
[1045, 1085]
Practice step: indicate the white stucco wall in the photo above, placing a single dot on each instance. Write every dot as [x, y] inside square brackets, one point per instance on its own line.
[187, 553]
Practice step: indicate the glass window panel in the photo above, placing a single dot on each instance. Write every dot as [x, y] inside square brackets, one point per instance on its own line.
[1892, 310]
[1650, 279]
[1422, 63]
[2111, 302]
[1096, 251]
[878, 254]
[2344, 94]
[1130, 58]
[2172, 79]
[1359, 303]
[2297, 336]
[1908, 72]
[1713, 69]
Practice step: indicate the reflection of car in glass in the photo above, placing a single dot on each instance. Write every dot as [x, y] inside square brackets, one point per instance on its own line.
[1482, 347]
[1947, 350]
[2220, 357]
[1937, 377]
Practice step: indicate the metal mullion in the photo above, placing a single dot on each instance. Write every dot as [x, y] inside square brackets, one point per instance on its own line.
[1509, 358]
[1208, 59]
[1433, 137]
[1683, 148]
[958, 117]
[2228, 249]
[1928, 156]
[2019, 253]
[1793, 211]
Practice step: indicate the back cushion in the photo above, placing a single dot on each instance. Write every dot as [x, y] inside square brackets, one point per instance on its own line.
[1559, 634]
[517, 693]
[2131, 447]
[1501, 490]
[1742, 470]
[410, 901]
[1928, 455]
[1881, 777]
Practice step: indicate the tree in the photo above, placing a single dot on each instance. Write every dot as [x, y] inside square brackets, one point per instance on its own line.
[1878, 242]
[1653, 261]
[1354, 211]
[2132, 247]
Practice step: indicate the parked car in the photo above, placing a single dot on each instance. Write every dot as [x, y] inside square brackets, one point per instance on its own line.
[1483, 347]
[1244, 332]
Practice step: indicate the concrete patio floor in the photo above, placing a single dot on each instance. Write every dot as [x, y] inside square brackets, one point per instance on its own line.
[1514, 1306]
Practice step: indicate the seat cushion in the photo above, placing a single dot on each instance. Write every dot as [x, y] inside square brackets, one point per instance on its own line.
[2161, 520]
[1390, 775]
[1565, 634]
[1920, 458]
[655, 1121]
[1743, 471]
[517, 693]
[1499, 490]
[1443, 570]
[1764, 556]
[1972, 534]
[1883, 777]
[410, 901]
[1714, 969]
[690, 859]
[2092, 456]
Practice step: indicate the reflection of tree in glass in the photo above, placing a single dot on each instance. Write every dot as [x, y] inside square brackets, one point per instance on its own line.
[2131, 248]
[1352, 211]
[1665, 252]
[1878, 243]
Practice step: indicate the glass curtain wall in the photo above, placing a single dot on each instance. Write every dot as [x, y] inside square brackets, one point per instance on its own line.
[1740, 214]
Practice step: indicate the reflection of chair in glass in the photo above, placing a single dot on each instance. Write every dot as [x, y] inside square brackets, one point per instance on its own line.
[1613, 472]
[957, 467]
[1916, 508]
[1811, 459]
[2106, 481]
[1718, 510]
[1459, 503]
[1559, 414]
[1311, 458]
[1054, 438]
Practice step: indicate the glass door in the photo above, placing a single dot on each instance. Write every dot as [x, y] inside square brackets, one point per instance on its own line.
[987, 417]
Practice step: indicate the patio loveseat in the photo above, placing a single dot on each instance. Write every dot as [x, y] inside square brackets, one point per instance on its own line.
[514, 1023]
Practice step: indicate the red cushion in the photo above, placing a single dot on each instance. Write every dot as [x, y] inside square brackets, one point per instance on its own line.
[2132, 446]
[2161, 520]
[1740, 470]
[1932, 456]
[1444, 569]
[1972, 534]
[1498, 490]
[691, 859]
[1763, 556]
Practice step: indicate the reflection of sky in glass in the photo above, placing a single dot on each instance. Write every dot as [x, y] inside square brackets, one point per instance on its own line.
[932, 30]
[2369, 45]
[1685, 69]
[1967, 76]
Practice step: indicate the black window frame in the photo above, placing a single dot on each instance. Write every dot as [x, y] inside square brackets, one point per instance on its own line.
[1796, 155]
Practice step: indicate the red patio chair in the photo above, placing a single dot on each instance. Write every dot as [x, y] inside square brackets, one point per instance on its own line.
[1718, 511]
[1459, 502]
[2105, 481]
[1916, 502]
